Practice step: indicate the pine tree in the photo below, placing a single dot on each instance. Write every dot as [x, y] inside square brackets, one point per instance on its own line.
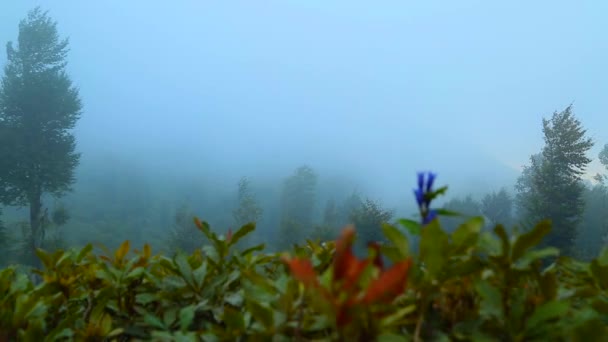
[297, 206]
[498, 207]
[553, 183]
[38, 108]
[248, 209]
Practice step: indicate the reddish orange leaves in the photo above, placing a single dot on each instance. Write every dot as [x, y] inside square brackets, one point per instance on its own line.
[347, 290]
[303, 271]
[229, 235]
[389, 284]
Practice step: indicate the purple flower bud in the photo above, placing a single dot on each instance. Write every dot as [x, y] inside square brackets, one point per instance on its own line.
[430, 216]
[419, 196]
[421, 181]
[430, 181]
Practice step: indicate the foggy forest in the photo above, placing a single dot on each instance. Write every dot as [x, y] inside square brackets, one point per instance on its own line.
[180, 125]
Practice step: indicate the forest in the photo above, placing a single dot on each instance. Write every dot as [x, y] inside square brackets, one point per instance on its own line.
[101, 246]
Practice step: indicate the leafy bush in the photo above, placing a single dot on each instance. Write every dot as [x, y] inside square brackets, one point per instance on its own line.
[469, 284]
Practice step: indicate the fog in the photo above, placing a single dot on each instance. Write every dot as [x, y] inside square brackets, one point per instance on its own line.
[187, 97]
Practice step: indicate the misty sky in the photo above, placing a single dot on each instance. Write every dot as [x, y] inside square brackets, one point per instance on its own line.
[382, 88]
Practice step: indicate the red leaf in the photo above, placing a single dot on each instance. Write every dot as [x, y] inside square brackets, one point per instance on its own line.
[346, 266]
[229, 235]
[378, 257]
[389, 284]
[198, 223]
[302, 270]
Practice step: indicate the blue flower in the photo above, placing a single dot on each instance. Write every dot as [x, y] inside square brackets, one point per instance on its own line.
[423, 195]
[430, 181]
[419, 197]
[430, 216]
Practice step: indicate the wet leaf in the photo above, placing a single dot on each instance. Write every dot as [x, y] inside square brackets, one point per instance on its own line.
[241, 232]
[389, 284]
[491, 300]
[433, 248]
[530, 239]
[547, 311]
[397, 238]
[122, 251]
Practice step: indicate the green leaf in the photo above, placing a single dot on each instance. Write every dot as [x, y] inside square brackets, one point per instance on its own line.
[184, 268]
[433, 248]
[261, 314]
[414, 227]
[397, 317]
[135, 273]
[491, 300]
[603, 257]
[446, 212]
[390, 337]
[186, 316]
[233, 319]
[45, 258]
[200, 274]
[234, 298]
[600, 305]
[397, 238]
[530, 239]
[204, 227]
[145, 298]
[548, 285]
[154, 321]
[600, 273]
[531, 256]
[504, 241]
[122, 251]
[62, 259]
[547, 311]
[467, 232]
[256, 248]
[242, 232]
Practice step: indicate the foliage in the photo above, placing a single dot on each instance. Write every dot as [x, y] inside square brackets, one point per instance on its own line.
[38, 108]
[594, 226]
[466, 206]
[368, 219]
[555, 178]
[184, 235]
[297, 201]
[4, 241]
[248, 209]
[461, 286]
[497, 207]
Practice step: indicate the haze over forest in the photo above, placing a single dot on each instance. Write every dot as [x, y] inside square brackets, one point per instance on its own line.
[183, 99]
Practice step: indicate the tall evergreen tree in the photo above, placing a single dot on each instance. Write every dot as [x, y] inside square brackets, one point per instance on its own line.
[297, 206]
[248, 209]
[554, 179]
[38, 108]
[466, 206]
[498, 207]
[368, 220]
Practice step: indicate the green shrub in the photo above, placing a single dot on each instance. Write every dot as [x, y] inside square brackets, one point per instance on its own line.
[465, 285]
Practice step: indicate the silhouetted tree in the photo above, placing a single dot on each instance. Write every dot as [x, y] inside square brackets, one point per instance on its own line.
[328, 229]
[38, 107]
[593, 232]
[248, 209]
[185, 235]
[497, 207]
[4, 244]
[350, 204]
[297, 206]
[593, 229]
[555, 179]
[466, 206]
[368, 220]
